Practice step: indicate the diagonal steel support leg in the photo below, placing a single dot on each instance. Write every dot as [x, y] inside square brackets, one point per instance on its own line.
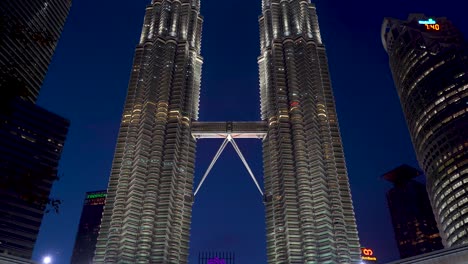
[220, 150]
[233, 142]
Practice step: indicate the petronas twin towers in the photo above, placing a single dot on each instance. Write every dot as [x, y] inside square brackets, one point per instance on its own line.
[309, 211]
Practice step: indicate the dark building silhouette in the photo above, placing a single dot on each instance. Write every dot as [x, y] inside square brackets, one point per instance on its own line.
[31, 142]
[216, 258]
[88, 230]
[31, 138]
[413, 221]
[429, 62]
[29, 32]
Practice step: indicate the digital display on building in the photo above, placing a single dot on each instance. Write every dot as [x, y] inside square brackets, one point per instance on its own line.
[368, 254]
[430, 24]
[96, 195]
[96, 198]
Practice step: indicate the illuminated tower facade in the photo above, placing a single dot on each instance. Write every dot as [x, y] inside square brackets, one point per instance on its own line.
[148, 208]
[429, 62]
[309, 211]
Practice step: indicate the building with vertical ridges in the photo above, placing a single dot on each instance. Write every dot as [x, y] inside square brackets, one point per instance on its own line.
[29, 32]
[413, 221]
[429, 62]
[148, 209]
[88, 229]
[31, 143]
[309, 211]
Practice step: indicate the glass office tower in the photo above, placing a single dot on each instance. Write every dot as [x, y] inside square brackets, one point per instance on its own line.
[31, 142]
[31, 138]
[309, 211]
[429, 62]
[148, 209]
[88, 229]
[29, 32]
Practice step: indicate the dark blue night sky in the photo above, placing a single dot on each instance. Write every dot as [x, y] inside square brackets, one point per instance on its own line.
[87, 83]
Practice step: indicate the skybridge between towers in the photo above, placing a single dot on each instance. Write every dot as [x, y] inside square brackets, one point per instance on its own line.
[229, 131]
[309, 213]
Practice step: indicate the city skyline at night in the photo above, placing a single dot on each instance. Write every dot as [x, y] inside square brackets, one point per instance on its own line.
[374, 133]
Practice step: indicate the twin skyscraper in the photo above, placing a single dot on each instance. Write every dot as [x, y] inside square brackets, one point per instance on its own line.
[309, 211]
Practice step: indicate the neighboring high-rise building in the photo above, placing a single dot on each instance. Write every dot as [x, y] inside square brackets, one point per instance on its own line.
[413, 221]
[309, 211]
[429, 62]
[88, 229]
[29, 31]
[8, 259]
[31, 141]
[31, 138]
[453, 255]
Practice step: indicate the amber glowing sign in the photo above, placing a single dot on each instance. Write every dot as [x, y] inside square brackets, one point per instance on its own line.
[368, 254]
[430, 24]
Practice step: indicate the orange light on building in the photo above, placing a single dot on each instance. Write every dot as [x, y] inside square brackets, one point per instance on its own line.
[368, 254]
[435, 27]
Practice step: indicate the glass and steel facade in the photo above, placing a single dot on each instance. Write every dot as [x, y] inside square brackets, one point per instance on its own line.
[88, 229]
[29, 31]
[429, 62]
[31, 138]
[148, 209]
[31, 142]
[309, 210]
